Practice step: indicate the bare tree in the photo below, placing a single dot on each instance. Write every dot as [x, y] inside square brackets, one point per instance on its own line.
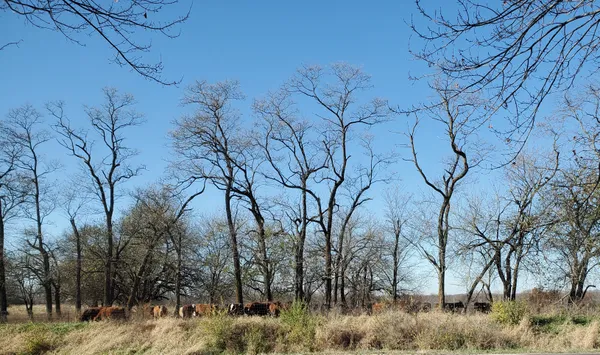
[73, 204]
[355, 192]
[290, 150]
[207, 149]
[460, 117]
[336, 101]
[153, 217]
[396, 213]
[576, 234]
[31, 140]
[519, 51]
[112, 169]
[21, 272]
[12, 195]
[113, 21]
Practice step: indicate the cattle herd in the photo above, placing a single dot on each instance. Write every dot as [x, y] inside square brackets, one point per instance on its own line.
[188, 311]
[261, 309]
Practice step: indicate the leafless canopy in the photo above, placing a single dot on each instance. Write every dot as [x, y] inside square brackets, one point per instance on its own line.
[114, 21]
[518, 51]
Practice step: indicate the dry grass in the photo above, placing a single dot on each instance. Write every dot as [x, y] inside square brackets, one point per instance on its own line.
[297, 332]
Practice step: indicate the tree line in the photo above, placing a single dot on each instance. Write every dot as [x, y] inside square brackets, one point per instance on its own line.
[295, 180]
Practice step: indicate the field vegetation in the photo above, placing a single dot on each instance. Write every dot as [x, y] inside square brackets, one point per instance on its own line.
[298, 331]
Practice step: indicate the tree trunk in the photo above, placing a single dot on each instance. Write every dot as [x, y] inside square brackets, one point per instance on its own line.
[299, 272]
[396, 264]
[47, 284]
[338, 265]
[265, 260]
[234, 248]
[47, 278]
[299, 282]
[3, 299]
[108, 266]
[77, 267]
[343, 285]
[442, 287]
[132, 300]
[178, 248]
[476, 282]
[57, 299]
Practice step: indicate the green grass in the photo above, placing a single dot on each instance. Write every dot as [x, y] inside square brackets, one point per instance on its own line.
[553, 323]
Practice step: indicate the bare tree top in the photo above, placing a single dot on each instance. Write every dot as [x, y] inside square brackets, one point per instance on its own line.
[114, 21]
[518, 52]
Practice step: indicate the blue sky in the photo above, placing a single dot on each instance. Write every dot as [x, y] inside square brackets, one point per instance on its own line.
[259, 43]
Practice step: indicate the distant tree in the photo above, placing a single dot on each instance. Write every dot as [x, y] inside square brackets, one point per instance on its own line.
[73, 204]
[459, 116]
[213, 256]
[113, 22]
[574, 244]
[518, 51]
[109, 171]
[505, 230]
[334, 92]
[291, 151]
[22, 273]
[151, 221]
[208, 151]
[396, 218]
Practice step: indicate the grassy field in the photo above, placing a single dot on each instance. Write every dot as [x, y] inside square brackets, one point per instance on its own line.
[296, 331]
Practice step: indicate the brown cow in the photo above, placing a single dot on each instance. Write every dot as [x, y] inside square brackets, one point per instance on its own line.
[112, 313]
[275, 308]
[159, 311]
[205, 310]
[187, 311]
[89, 314]
[378, 307]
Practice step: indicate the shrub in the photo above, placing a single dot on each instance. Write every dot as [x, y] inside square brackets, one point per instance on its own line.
[39, 343]
[509, 312]
[299, 326]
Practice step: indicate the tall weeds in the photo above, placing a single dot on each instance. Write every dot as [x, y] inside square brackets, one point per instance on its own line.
[299, 331]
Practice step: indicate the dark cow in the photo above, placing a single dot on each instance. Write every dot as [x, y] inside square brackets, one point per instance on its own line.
[159, 311]
[257, 309]
[483, 307]
[89, 314]
[205, 309]
[187, 311]
[235, 309]
[454, 306]
[112, 313]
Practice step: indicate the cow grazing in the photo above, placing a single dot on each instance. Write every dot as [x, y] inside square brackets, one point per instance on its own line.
[483, 307]
[89, 314]
[187, 311]
[111, 313]
[205, 310]
[159, 311]
[235, 309]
